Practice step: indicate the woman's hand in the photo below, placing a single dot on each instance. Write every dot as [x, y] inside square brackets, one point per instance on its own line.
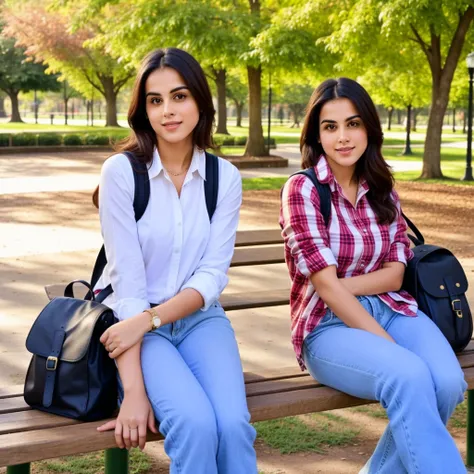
[131, 424]
[125, 334]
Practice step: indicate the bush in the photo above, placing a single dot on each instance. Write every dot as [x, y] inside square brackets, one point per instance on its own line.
[240, 141]
[72, 140]
[4, 139]
[24, 139]
[49, 139]
[96, 139]
[272, 142]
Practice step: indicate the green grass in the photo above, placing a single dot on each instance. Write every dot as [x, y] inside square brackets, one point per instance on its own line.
[311, 433]
[375, 411]
[40, 128]
[459, 418]
[258, 184]
[92, 463]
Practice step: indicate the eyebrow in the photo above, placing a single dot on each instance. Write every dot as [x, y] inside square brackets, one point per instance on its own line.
[352, 117]
[171, 91]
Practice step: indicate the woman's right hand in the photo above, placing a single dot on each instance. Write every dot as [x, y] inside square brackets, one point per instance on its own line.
[135, 416]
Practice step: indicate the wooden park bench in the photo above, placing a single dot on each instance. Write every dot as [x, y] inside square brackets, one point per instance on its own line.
[28, 435]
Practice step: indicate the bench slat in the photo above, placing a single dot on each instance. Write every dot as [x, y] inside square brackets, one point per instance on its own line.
[31, 420]
[13, 405]
[11, 391]
[19, 448]
[255, 299]
[258, 237]
[258, 256]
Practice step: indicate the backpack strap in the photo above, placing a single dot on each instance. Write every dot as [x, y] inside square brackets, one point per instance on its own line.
[211, 183]
[323, 191]
[140, 202]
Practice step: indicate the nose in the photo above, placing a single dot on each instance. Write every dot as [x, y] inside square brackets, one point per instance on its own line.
[343, 138]
[168, 108]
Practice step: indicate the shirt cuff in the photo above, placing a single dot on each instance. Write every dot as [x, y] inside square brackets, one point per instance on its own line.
[315, 262]
[128, 307]
[206, 286]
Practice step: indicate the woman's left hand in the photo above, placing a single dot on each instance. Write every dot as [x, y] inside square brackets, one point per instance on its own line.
[124, 334]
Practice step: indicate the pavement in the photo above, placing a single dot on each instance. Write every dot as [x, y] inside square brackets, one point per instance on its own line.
[47, 238]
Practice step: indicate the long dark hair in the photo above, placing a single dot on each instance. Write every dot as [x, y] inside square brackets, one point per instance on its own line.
[371, 166]
[142, 139]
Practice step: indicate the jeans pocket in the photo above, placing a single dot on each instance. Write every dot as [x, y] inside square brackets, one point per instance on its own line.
[328, 317]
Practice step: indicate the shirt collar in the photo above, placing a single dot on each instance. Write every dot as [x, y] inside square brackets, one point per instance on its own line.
[325, 176]
[198, 164]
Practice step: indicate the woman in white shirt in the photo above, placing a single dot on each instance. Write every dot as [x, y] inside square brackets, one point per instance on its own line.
[178, 359]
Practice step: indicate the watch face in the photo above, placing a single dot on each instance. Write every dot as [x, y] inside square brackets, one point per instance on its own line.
[156, 322]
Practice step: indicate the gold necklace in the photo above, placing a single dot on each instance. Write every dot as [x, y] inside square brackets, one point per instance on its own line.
[177, 174]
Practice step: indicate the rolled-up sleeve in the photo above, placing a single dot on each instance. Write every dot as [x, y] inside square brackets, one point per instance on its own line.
[210, 277]
[125, 263]
[303, 226]
[399, 250]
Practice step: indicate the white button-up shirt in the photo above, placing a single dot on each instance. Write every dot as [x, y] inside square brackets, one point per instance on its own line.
[173, 246]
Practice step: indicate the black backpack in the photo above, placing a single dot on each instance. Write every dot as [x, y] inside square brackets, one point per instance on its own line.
[434, 277]
[140, 203]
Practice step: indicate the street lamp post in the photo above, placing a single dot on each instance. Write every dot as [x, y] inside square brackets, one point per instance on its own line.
[470, 67]
[269, 109]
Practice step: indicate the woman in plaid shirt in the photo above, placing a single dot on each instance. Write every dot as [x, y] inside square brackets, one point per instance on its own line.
[352, 325]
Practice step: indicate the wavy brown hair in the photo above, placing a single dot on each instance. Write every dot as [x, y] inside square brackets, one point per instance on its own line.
[371, 166]
[142, 139]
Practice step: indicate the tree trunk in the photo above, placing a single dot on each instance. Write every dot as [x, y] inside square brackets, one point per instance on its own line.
[415, 116]
[15, 108]
[442, 77]
[110, 103]
[390, 113]
[66, 100]
[407, 150]
[2, 107]
[255, 143]
[399, 117]
[454, 120]
[221, 102]
[239, 107]
[432, 154]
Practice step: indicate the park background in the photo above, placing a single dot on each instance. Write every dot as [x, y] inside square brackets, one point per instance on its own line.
[66, 73]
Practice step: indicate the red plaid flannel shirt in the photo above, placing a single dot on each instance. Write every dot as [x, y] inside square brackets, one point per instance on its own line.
[353, 241]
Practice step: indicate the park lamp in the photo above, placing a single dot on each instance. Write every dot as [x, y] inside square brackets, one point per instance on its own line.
[470, 67]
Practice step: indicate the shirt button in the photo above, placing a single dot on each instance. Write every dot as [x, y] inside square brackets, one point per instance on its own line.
[179, 223]
[176, 250]
[365, 231]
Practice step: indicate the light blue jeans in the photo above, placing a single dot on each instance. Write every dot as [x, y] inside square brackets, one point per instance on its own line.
[418, 381]
[193, 378]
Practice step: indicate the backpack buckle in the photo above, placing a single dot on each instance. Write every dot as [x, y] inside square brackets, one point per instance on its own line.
[457, 308]
[51, 363]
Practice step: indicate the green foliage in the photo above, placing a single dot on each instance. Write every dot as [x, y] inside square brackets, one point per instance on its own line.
[16, 74]
[25, 139]
[4, 139]
[258, 184]
[72, 140]
[96, 139]
[49, 139]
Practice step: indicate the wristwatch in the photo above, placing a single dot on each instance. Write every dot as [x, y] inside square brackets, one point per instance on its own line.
[155, 319]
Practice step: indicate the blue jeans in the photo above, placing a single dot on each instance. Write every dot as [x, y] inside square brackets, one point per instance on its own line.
[418, 381]
[194, 381]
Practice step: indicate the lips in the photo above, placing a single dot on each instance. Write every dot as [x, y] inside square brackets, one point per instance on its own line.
[171, 125]
[345, 149]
